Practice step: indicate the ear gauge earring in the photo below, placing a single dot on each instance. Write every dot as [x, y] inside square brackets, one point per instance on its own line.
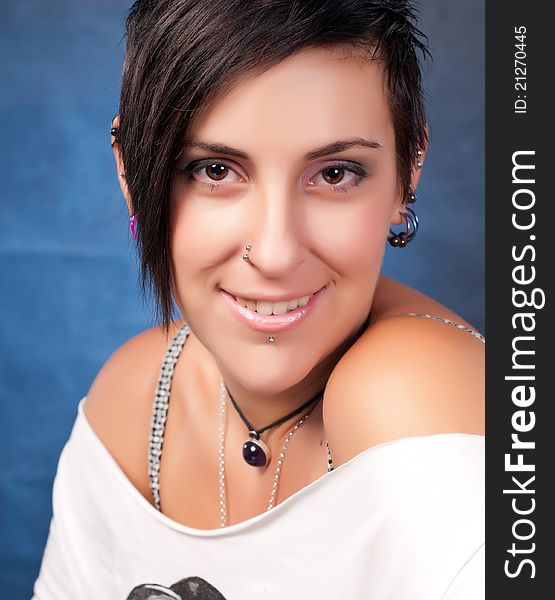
[402, 238]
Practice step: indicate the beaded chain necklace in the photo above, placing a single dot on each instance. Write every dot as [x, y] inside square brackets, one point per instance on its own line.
[160, 410]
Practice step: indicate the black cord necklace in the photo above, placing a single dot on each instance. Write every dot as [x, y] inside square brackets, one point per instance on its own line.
[255, 452]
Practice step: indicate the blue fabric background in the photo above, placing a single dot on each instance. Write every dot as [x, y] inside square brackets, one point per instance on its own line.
[68, 292]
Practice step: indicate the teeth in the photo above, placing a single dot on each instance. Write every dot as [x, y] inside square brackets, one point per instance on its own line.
[264, 308]
[279, 308]
[273, 308]
[292, 304]
[250, 304]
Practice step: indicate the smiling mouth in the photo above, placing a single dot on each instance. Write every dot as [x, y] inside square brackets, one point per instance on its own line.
[264, 307]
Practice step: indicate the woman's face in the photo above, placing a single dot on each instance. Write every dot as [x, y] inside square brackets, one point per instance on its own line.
[316, 217]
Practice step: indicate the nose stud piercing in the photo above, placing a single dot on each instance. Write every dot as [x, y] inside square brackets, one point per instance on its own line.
[246, 257]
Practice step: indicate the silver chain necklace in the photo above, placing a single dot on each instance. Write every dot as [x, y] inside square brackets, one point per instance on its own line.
[221, 458]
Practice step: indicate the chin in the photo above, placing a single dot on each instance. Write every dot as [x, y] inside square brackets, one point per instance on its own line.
[271, 372]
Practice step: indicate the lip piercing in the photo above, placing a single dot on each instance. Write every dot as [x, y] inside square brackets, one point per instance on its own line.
[271, 338]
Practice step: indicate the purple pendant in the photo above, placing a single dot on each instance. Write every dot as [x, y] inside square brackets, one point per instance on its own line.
[255, 452]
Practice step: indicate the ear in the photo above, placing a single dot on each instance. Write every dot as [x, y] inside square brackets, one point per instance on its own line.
[119, 165]
[416, 171]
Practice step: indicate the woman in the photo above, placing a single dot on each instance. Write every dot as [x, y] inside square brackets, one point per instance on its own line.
[324, 437]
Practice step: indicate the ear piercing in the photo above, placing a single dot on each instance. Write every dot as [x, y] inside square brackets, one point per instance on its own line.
[114, 132]
[419, 163]
[133, 226]
[402, 238]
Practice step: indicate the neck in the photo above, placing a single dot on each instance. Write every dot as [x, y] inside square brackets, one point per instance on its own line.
[304, 408]
[261, 409]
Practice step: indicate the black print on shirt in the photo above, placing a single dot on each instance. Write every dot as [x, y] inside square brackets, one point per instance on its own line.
[190, 588]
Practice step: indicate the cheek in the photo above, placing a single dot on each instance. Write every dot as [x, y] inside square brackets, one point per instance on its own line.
[199, 230]
[356, 231]
[354, 240]
[183, 242]
[192, 247]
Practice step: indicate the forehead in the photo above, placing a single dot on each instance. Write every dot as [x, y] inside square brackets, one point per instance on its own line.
[315, 96]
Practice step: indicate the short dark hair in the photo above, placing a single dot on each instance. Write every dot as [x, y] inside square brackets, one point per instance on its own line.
[182, 55]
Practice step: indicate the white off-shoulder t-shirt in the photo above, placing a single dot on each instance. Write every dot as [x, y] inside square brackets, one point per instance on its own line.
[403, 520]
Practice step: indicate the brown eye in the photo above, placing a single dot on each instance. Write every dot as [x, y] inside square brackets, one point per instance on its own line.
[216, 171]
[333, 175]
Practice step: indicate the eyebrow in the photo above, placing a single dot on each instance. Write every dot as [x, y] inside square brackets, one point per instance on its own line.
[337, 146]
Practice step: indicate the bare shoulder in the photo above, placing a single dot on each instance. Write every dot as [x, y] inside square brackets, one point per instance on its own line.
[405, 376]
[119, 402]
[392, 298]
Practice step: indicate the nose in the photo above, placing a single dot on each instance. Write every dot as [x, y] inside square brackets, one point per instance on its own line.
[275, 231]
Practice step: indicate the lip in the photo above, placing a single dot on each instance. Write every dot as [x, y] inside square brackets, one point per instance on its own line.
[270, 323]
